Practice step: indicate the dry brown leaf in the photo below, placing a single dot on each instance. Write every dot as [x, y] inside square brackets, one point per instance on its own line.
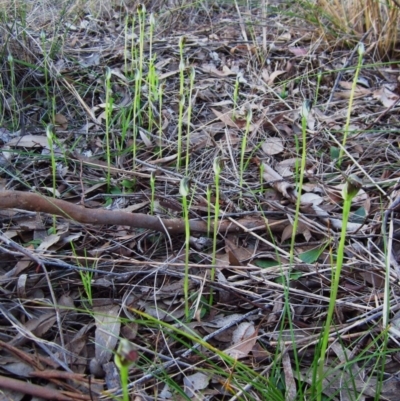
[195, 382]
[108, 327]
[236, 253]
[213, 70]
[290, 382]
[277, 182]
[359, 91]
[244, 337]
[272, 146]
[225, 118]
[48, 242]
[30, 141]
[299, 51]
[60, 122]
[269, 78]
[385, 96]
[302, 228]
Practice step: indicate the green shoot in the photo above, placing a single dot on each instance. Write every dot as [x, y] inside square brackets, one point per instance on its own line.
[184, 191]
[50, 140]
[361, 51]
[235, 98]
[108, 112]
[153, 191]
[181, 98]
[189, 113]
[208, 195]
[319, 78]
[13, 92]
[243, 146]
[217, 167]
[350, 190]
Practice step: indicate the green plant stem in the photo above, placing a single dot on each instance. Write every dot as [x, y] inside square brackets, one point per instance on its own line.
[123, 371]
[181, 100]
[351, 99]
[217, 171]
[208, 195]
[244, 145]
[108, 111]
[153, 190]
[50, 140]
[348, 196]
[184, 191]
[300, 179]
[189, 114]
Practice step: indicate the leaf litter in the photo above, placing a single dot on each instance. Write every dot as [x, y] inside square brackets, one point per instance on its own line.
[56, 332]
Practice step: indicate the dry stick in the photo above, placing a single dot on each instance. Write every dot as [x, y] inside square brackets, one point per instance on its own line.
[40, 203]
[33, 389]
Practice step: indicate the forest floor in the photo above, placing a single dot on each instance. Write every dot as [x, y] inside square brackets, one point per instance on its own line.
[150, 176]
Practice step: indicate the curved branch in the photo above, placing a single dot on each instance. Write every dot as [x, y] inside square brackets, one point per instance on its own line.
[40, 203]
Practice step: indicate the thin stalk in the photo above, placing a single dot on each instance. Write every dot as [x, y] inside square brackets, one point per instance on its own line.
[319, 78]
[361, 51]
[181, 99]
[13, 92]
[160, 122]
[184, 191]
[50, 140]
[108, 111]
[217, 167]
[262, 168]
[152, 75]
[208, 195]
[189, 114]
[350, 190]
[235, 98]
[153, 191]
[305, 111]
[243, 146]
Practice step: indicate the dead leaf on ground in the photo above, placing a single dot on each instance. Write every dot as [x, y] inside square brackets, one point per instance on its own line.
[272, 146]
[276, 181]
[244, 337]
[108, 325]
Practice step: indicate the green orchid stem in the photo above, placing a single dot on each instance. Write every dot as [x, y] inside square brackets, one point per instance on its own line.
[181, 99]
[361, 51]
[153, 191]
[300, 179]
[123, 371]
[187, 250]
[184, 191]
[350, 190]
[217, 171]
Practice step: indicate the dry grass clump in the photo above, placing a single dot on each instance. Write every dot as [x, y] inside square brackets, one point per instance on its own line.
[348, 21]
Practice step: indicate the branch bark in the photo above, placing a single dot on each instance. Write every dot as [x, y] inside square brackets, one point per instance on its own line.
[40, 203]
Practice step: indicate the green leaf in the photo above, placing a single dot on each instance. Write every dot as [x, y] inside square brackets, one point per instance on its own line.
[293, 276]
[128, 184]
[116, 191]
[266, 263]
[312, 255]
[358, 216]
[335, 152]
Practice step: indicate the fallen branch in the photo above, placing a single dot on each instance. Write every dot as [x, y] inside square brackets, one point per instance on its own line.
[35, 390]
[40, 203]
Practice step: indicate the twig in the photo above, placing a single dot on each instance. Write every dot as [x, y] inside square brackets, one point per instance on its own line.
[40, 203]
